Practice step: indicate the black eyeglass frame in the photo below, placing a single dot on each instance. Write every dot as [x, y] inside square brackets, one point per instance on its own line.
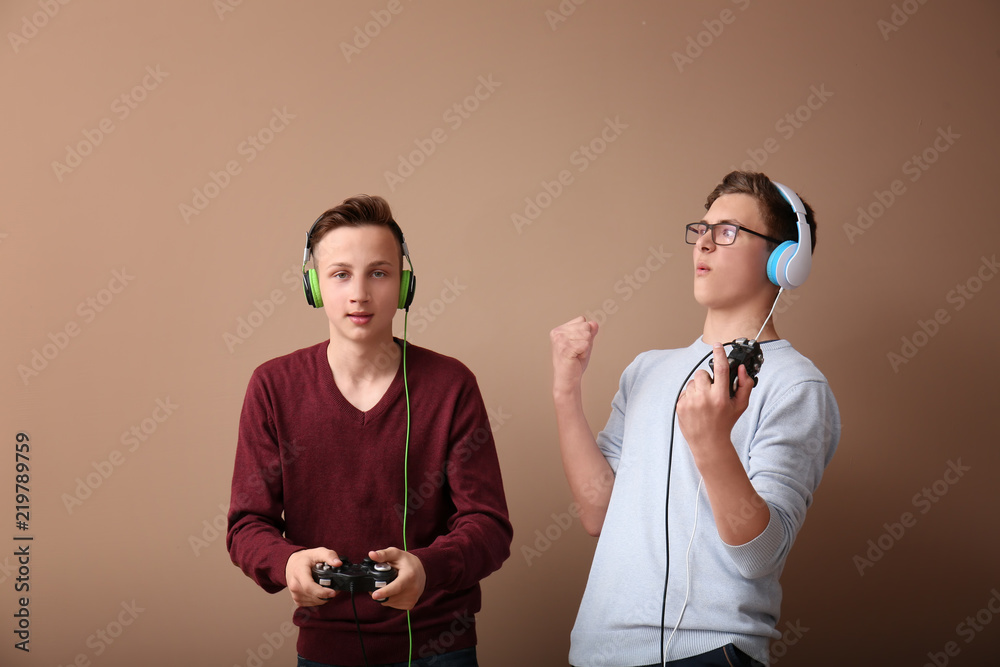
[710, 228]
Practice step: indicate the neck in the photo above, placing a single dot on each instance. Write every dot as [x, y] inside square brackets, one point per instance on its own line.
[363, 362]
[727, 325]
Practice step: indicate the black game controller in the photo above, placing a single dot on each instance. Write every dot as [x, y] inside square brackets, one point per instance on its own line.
[746, 353]
[365, 576]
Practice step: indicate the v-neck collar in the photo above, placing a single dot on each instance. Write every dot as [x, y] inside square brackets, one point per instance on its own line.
[363, 416]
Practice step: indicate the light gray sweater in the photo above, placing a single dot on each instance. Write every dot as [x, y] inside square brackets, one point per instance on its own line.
[785, 440]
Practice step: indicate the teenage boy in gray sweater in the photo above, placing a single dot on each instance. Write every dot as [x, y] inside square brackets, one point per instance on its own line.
[697, 492]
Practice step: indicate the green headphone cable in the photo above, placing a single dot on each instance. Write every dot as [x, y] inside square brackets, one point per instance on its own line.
[406, 466]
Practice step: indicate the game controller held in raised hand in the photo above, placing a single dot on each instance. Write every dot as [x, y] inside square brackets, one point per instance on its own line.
[746, 353]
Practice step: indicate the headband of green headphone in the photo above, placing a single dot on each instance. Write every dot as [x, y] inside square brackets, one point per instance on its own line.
[310, 277]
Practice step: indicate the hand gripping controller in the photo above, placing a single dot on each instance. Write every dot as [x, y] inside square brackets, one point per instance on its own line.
[365, 576]
[746, 353]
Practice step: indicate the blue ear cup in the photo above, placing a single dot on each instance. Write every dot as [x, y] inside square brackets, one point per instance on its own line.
[778, 260]
[789, 264]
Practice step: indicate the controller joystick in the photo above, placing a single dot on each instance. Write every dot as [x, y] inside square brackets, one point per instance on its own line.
[746, 353]
[366, 576]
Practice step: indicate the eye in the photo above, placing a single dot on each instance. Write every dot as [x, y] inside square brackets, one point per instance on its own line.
[728, 232]
[340, 275]
[378, 274]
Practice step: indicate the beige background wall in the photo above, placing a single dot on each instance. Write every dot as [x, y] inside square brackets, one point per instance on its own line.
[149, 255]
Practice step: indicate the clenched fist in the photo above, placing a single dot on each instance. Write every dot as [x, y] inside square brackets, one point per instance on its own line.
[572, 344]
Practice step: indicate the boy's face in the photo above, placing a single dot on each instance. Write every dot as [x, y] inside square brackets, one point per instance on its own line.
[359, 275]
[733, 276]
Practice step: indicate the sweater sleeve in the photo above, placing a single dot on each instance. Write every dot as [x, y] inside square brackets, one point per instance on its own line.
[255, 536]
[610, 438]
[479, 533]
[791, 447]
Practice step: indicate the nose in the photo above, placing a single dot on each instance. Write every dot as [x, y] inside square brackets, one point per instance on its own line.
[359, 291]
[705, 242]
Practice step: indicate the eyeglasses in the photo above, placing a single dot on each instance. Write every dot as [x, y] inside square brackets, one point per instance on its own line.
[723, 233]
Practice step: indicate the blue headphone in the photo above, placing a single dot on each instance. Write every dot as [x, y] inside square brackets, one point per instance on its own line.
[789, 263]
[310, 278]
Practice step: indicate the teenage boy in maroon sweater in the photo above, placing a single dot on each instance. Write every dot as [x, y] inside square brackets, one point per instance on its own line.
[319, 472]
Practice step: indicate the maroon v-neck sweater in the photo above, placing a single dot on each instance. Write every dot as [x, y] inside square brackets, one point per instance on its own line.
[314, 471]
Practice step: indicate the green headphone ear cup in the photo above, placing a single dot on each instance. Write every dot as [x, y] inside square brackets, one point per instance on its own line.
[305, 286]
[406, 288]
[317, 296]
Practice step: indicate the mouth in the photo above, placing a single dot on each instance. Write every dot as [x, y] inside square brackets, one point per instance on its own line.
[360, 317]
[701, 269]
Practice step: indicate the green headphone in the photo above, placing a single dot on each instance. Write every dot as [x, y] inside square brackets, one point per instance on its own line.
[310, 278]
